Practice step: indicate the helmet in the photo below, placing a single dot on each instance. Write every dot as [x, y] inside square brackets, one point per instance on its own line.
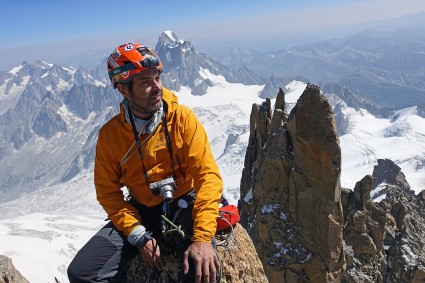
[130, 59]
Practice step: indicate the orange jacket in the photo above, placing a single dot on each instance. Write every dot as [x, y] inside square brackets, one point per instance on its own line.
[194, 166]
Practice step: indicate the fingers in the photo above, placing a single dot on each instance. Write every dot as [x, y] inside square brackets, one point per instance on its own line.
[151, 255]
[158, 260]
[205, 261]
[186, 262]
[198, 271]
[210, 270]
[217, 264]
[205, 270]
[213, 272]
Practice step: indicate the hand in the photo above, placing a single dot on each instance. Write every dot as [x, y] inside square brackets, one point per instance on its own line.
[151, 254]
[205, 260]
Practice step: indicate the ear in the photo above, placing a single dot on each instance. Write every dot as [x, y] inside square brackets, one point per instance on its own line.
[123, 89]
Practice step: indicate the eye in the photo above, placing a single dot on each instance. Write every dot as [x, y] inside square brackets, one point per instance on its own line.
[142, 80]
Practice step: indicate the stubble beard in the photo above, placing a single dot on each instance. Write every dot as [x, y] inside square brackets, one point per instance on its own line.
[150, 110]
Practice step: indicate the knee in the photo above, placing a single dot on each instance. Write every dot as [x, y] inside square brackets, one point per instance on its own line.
[75, 273]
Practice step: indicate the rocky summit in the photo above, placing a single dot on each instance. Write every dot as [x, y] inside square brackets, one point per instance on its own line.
[306, 228]
[290, 190]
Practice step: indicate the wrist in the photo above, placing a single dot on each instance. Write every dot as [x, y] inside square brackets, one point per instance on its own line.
[139, 237]
[146, 237]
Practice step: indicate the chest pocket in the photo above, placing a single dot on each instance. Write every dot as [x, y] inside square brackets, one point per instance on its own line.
[156, 150]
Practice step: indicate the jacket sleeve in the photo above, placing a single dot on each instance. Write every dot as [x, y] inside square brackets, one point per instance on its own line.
[206, 176]
[108, 189]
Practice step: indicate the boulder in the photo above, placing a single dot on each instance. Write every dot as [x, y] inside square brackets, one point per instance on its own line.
[239, 260]
[384, 238]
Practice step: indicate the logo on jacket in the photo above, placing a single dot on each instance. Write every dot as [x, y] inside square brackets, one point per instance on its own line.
[160, 142]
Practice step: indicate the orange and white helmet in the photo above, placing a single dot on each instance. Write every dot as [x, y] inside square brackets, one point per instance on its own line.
[130, 59]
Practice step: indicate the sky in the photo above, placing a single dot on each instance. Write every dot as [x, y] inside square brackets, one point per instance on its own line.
[54, 30]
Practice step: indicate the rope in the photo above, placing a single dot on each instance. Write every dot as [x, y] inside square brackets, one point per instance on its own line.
[224, 241]
[219, 267]
[177, 229]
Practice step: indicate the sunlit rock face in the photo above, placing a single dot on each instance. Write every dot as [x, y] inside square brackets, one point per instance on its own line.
[290, 190]
[306, 228]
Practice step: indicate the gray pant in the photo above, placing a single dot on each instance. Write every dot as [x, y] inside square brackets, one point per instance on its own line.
[100, 259]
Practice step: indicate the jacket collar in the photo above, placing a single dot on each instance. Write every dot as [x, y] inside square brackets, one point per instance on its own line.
[170, 99]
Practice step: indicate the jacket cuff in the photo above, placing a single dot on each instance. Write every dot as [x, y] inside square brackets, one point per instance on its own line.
[202, 238]
[139, 237]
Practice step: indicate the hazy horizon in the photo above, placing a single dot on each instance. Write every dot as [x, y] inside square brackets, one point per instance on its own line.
[45, 31]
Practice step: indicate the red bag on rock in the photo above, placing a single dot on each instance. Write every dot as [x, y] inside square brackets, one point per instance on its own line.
[227, 216]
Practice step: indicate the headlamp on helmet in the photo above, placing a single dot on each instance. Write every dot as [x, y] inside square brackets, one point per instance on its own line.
[130, 59]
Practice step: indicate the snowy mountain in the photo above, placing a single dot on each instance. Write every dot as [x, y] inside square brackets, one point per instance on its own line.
[50, 116]
[45, 123]
[182, 62]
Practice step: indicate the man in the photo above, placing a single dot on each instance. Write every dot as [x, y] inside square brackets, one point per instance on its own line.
[159, 151]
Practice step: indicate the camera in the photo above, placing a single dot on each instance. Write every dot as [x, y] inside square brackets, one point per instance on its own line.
[165, 188]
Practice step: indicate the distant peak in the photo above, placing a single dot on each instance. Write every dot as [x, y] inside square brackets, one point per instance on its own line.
[170, 38]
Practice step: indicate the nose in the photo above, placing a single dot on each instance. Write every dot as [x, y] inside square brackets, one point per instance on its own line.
[156, 84]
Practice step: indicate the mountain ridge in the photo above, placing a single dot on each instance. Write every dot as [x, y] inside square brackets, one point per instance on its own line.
[61, 106]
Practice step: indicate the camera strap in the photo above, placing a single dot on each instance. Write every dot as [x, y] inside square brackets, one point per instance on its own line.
[139, 147]
[168, 141]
